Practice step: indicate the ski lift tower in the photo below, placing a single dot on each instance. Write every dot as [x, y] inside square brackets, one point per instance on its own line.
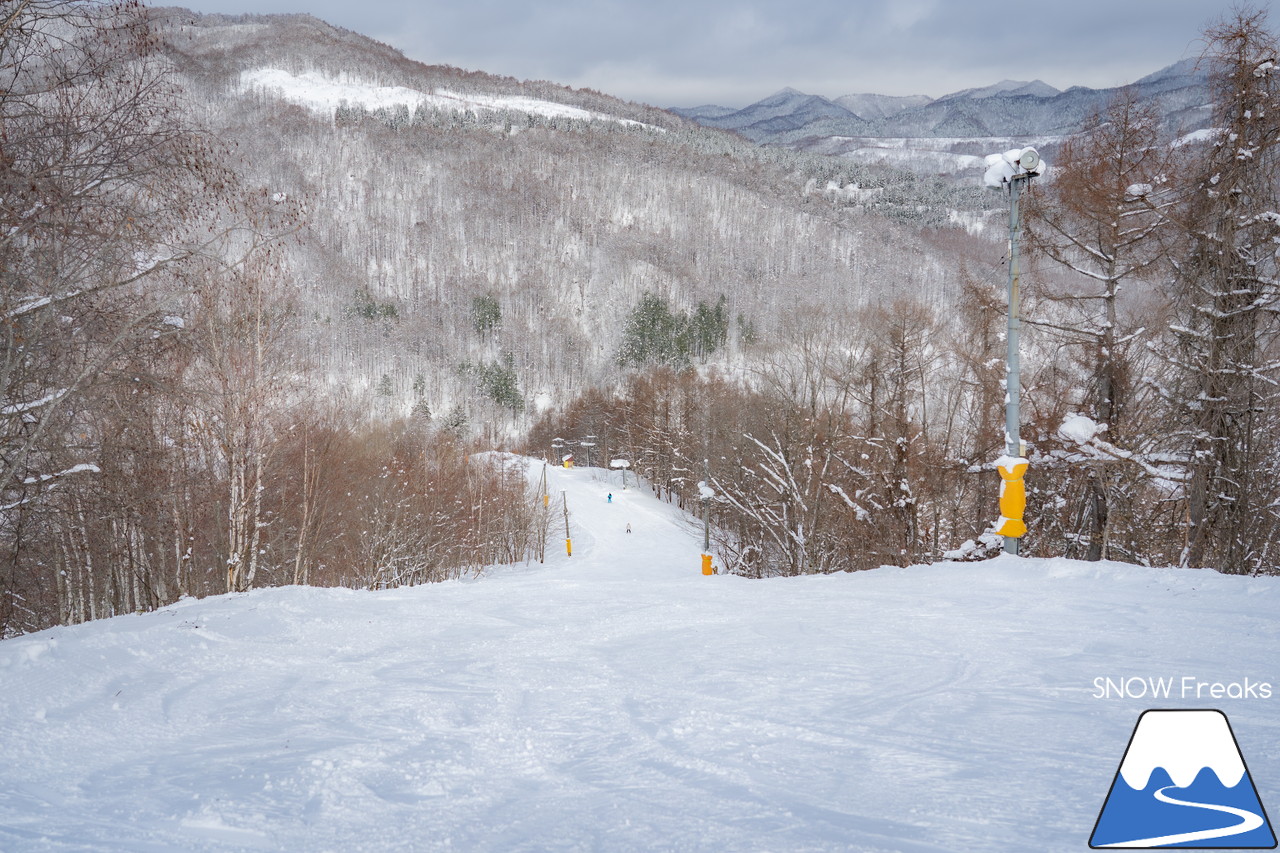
[1012, 172]
[622, 465]
[586, 444]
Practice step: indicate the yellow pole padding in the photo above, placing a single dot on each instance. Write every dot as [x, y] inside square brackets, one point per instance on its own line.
[706, 565]
[1013, 497]
[568, 547]
[546, 500]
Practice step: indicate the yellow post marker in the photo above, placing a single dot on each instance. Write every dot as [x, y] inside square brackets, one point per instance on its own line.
[568, 542]
[1013, 496]
[706, 565]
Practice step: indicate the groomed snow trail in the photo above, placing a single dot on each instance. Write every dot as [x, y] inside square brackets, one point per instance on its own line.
[617, 700]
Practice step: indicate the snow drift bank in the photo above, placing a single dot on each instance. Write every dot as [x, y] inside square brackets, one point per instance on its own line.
[618, 700]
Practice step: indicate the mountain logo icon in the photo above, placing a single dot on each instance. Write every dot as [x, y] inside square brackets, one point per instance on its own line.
[1183, 783]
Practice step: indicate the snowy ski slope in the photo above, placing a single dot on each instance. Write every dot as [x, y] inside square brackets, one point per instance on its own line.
[325, 94]
[618, 700]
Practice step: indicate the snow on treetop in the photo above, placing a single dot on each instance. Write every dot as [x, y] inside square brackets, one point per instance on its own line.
[1002, 167]
[1079, 429]
[324, 94]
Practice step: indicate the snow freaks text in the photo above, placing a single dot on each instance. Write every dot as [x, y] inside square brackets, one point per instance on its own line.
[1184, 687]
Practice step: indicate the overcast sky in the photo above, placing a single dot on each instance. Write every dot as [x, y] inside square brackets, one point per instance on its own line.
[733, 52]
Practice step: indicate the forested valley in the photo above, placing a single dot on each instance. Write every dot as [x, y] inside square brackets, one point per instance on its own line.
[255, 337]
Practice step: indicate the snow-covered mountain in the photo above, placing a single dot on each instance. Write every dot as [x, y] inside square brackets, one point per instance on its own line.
[779, 114]
[1005, 89]
[1214, 803]
[1183, 743]
[878, 107]
[427, 188]
[620, 700]
[1006, 109]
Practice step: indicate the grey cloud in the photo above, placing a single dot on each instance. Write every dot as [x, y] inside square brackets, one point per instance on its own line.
[676, 53]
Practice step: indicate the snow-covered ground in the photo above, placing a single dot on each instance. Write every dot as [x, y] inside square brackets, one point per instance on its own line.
[618, 700]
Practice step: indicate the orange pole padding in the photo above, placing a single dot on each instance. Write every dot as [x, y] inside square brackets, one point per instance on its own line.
[1013, 497]
[706, 565]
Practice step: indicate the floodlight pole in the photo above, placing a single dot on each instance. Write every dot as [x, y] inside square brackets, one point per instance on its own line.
[1013, 169]
[705, 488]
[706, 503]
[1013, 370]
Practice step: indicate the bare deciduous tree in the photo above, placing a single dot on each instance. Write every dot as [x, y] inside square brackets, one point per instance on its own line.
[1225, 295]
[1106, 217]
[104, 189]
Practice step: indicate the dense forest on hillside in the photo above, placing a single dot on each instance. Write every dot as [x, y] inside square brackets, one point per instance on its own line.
[252, 338]
[565, 224]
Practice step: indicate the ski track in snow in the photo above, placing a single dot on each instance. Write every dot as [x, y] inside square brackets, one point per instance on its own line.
[618, 700]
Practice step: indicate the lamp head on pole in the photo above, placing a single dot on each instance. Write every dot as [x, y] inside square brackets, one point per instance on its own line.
[1020, 163]
[1029, 160]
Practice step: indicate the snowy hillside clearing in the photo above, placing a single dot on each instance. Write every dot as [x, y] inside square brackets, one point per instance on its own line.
[618, 700]
[324, 94]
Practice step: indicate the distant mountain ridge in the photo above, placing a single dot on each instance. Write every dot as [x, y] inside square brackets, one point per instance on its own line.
[1007, 109]
[875, 107]
[1006, 89]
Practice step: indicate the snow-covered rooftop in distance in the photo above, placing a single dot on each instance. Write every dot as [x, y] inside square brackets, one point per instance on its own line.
[325, 94]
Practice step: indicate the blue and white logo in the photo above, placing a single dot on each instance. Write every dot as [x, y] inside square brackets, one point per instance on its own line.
[1183, 783]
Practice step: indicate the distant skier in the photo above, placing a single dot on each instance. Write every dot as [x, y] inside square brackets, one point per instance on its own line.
[611, 497]
[628, 527]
